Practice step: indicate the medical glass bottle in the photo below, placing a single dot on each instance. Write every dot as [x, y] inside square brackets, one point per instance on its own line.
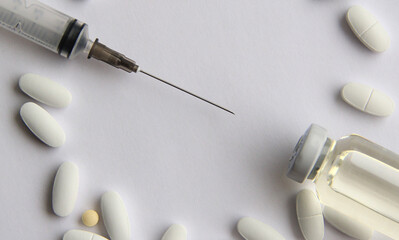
[353, 175]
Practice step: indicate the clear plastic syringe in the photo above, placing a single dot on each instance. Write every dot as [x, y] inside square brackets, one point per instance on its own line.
[64, 35]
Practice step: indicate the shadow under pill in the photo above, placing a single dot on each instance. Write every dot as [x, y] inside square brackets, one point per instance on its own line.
[163, 232]
[17, 89]
[234, 232]
[100, 225]
[28, 132]
[49, 193]
[61, 237]
[279, 169]
[348, 31]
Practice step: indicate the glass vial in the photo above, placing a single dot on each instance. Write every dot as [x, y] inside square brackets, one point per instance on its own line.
[352, 175]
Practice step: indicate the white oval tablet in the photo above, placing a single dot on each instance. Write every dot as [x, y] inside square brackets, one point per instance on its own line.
[252, 229]
[115, 216]
[367, 99]
[82, 235]
[42, 124]
[175, 232]
[310, 218]
[347, 225]
[367, 29]
[65, 189]
[45, 90]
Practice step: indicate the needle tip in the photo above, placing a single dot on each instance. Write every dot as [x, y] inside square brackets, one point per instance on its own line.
[181, 89]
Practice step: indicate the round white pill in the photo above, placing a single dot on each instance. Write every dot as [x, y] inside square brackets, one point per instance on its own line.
[347, 225]
[45, 90]
[115, 216]
[310, 218]
[252, 229]
[367, 29]
[42, 124]
[367, 99]
[65, 189]
[175, 232]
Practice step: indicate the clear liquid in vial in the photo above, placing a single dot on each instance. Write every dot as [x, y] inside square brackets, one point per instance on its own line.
[361, 179]
[367, 181]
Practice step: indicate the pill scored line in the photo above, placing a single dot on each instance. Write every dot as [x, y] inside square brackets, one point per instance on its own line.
[368, 100]
[367, 29]
[307, 217]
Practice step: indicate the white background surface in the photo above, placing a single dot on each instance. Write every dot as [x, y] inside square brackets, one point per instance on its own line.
[278, 64]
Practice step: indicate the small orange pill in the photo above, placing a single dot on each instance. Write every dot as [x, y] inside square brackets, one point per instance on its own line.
[90, 218]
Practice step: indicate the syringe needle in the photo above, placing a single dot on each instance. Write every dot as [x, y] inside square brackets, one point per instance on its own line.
[181, 89]
[103, 53]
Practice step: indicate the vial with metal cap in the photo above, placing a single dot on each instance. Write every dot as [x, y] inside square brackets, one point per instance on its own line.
[352, 175]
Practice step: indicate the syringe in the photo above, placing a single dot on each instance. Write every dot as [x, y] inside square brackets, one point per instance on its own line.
[65, 35]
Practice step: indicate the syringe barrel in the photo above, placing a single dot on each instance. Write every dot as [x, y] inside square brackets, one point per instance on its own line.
[45, 26]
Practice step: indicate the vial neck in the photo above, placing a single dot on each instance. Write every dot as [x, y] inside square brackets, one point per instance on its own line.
[320, 163]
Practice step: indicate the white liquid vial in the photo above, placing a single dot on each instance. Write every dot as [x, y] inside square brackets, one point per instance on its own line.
[352, 175]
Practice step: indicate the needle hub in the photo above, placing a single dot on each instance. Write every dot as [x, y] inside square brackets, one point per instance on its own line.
[103, 53]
